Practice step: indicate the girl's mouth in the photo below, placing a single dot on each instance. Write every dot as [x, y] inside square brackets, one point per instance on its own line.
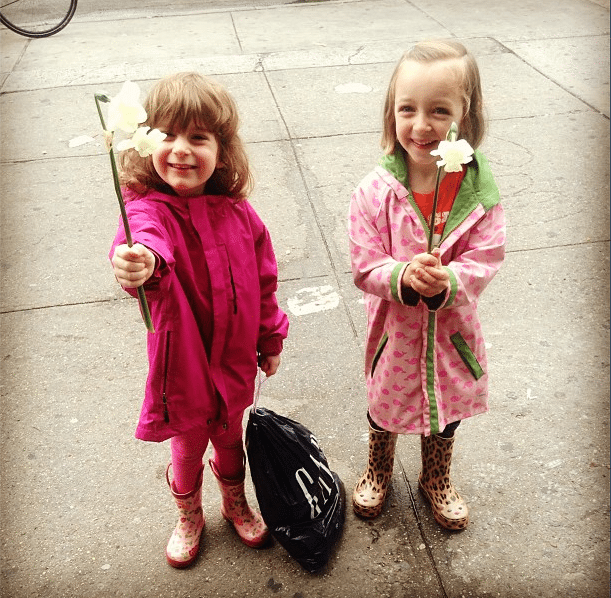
[181, 166]
[424, 145]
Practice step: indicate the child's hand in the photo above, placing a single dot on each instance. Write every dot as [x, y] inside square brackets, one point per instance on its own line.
[269, 364]
[426, 275]
[133, 266]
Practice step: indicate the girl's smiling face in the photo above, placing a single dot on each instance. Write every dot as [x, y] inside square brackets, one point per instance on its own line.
[428, 98]
[186, 159]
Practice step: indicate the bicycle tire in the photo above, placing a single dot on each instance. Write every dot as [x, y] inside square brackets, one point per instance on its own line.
[45, 32]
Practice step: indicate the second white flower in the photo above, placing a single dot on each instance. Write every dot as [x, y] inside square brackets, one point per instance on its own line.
[143, 141]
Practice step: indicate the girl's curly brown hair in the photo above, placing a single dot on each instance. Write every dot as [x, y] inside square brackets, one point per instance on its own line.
[176, 102]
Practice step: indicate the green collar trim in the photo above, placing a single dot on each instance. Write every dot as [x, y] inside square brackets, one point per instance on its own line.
[397, 166]
[477, 188]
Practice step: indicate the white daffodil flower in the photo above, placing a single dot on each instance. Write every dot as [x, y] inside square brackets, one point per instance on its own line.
[125, 111]
[143, 141]
[453, 154]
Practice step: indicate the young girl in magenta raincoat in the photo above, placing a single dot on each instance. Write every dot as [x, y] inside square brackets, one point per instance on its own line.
[425, 361]
[208, 268]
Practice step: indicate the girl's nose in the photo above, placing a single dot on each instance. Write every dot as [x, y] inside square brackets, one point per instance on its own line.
[422, 123]
[181, 145]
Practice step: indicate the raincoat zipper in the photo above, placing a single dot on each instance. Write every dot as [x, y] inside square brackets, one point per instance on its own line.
[235, 296]
[166, 414]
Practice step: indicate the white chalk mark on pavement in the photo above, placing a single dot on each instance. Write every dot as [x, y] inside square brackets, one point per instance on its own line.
[81, 140]
[313, 299]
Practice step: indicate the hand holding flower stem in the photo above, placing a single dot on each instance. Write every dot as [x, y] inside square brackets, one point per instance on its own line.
[453, 153]
[126, 113]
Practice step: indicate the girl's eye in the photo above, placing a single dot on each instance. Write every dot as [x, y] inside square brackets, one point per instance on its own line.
[202, 137]
[441, 111]
[405, 109]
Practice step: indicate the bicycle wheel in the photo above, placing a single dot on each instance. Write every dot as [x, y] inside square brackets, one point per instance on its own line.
[36, 18]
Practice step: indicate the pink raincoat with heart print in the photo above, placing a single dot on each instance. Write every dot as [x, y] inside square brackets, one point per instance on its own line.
[425, 358]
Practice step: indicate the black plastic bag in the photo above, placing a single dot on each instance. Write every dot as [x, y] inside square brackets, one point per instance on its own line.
[300, 498]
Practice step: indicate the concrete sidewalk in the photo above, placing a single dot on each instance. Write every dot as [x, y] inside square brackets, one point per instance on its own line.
[85, 511]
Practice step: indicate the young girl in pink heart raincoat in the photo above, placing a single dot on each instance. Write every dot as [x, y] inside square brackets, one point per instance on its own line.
[425, 357]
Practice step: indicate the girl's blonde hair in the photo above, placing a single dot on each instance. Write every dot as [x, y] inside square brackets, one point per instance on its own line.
[176, 102]
[473, 126]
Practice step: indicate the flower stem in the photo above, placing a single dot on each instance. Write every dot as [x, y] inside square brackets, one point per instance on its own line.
[146, 314]
[434, 212]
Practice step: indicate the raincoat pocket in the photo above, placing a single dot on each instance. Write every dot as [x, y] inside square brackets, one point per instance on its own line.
[378, 352]
[468, 357]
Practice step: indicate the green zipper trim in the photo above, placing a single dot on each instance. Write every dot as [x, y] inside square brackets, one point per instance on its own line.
[467, 355]
[430, 374]
[416, 208]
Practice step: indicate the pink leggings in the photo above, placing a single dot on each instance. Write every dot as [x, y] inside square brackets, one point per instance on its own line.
[188, 451]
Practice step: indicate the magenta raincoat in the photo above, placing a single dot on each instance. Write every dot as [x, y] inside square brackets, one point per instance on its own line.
[425, 361]
[213, 305]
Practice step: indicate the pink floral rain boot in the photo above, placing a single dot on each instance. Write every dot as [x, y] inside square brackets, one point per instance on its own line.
[247, 523]
[184, 544]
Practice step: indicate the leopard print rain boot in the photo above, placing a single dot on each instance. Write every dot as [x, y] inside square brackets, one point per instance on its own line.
[370, 492]
[247, 522]
[449, 509]
[184, 543]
